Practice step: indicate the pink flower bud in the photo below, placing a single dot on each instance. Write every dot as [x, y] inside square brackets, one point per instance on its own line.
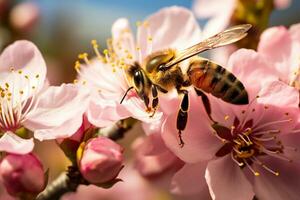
[101, 160]
[24, 16]
[22, 174]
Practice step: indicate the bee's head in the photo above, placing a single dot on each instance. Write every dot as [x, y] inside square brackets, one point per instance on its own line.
[156, 61]
[140, 82]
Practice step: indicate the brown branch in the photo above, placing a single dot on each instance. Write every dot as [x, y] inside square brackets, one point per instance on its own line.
[70, 180]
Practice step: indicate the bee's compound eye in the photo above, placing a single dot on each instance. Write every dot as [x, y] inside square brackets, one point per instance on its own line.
[138, 79]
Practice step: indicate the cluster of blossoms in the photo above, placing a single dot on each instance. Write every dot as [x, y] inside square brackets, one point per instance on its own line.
[239, 152]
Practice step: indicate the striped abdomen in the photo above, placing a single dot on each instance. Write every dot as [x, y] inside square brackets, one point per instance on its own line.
[214, 79]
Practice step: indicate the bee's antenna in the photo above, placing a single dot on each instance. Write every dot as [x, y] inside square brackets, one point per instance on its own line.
[126, 94]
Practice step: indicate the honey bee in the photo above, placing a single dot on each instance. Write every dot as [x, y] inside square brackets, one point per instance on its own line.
[161, 72]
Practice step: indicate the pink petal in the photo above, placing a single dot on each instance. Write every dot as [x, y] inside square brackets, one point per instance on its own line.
[172, 27]
[220, 22]
[23, 55]
[107, 88]
[276, 45]
[279, 94]
[103, 113]
[189, 180]
[211, 8]
[123, 39]
[200, 143]
[292, 143]
[226, 180]
[103, 79]
[295, 32]
[12, 143]
[282, 4]
[272, 39]
[152, 156]
[267, 186]
[249, 66]
[59, 112]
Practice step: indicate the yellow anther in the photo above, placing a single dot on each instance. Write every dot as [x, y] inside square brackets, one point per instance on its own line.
[21, 92]
[256, 174]
[83, 82]
[6, 85]
[129, 56]
[12, 69]
[105, 51]
[94, 42]
[84, 56]
[75, 81]
[77, 66]
[226, 117]
[26, 76]
[149, 39]
[33, 87]
[20, 71]
[37, 76]
[138, 48]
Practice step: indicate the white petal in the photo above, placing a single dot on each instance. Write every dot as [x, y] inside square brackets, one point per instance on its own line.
[11, 143]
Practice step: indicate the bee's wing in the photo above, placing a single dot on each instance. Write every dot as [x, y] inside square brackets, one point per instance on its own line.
[223, 38]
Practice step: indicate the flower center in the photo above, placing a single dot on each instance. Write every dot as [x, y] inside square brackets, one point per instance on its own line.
[15, 100]
[248, 142]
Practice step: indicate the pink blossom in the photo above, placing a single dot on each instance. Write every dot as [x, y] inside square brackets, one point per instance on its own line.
[163, 169]
[26, 101]
[280, 47]
[250, 149]
[24, 16]
[101, 160]
[152, 158]
[218, 21]
[154, 34]
[22, 174]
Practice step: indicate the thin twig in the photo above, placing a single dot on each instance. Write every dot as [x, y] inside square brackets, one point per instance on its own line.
[70, 180]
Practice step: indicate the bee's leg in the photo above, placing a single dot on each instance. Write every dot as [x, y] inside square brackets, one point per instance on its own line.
[182, 116]
[161, 89]
[146, 101]
[206, 103]
[154, 100]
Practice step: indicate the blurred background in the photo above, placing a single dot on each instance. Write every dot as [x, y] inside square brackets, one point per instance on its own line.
[63, 29]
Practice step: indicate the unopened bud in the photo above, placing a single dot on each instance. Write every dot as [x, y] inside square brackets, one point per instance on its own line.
[22, 175]
[101, 160]
[24, 16]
